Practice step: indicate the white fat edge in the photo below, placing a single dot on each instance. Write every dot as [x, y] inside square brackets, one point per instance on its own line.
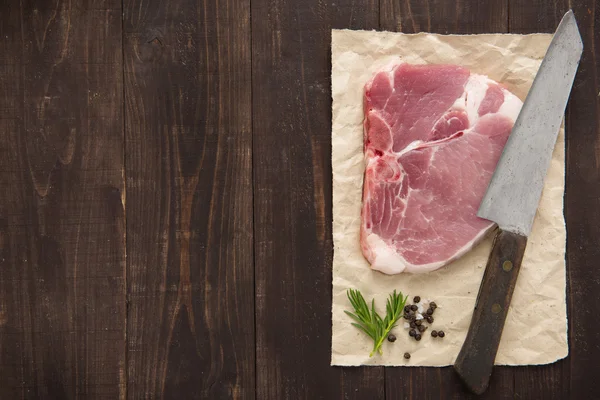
[389, 69]
[511, 106]
[472, 96]
[387, 260]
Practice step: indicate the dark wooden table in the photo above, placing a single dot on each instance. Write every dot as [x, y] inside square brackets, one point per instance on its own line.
[165, 208]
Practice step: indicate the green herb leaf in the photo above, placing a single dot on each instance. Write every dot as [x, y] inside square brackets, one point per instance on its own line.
[370, 322]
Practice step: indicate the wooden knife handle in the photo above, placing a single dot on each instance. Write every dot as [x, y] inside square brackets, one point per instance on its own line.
[476, 358]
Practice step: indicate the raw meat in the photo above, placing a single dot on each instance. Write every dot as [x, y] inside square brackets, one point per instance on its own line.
[433, 136]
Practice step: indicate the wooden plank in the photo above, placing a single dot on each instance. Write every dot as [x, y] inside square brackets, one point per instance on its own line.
[443, 16]
[189, 215]
[456, 17]
[292, 212]
[575, 376]
[536, 16]
[62, 221]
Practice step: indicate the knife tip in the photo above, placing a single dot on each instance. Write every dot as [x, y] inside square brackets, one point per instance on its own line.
[569, 22]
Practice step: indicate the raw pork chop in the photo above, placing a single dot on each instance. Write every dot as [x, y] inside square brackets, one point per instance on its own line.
[433, 136]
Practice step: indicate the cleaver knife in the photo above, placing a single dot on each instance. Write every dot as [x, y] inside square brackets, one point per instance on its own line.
[512, 198]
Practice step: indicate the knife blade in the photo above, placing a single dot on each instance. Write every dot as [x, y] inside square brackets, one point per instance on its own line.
[512, 199]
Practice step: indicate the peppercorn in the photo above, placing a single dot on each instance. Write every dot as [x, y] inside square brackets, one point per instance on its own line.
[422, 328]
[429, 311]
[418, 322]
[418, 337]
[413, 324]
[429, 319]
[406, 316]
[412, 332]
[434, 333]
[441, 334]
[417, 299]
[414, 307]
[406, 308]
[407, 355]
[433, 305]
[392, 338]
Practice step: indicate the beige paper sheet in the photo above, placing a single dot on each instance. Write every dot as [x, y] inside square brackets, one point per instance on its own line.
[536, 327]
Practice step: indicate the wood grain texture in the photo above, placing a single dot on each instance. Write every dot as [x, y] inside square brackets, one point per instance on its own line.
[189, 214]
[292, 187]
[444, 16]
[573, 377]
[224, 149]
[62, 221]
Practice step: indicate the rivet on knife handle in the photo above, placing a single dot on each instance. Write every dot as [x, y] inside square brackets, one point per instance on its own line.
[476, 358]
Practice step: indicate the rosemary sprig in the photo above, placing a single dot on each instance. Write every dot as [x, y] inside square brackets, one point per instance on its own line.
[369, 321]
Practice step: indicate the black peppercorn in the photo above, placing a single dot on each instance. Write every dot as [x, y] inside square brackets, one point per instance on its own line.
[412, 332]
[418, 322]
[422, 328]
[412, 324]
[429, 319]
[434, 333]
[414, 307]
[418, 337]
[407, 355]
[392, 338]
[407, 316]
[433, 305]
[406, 308]
[441, 334]
[417, 299]
[429, 311]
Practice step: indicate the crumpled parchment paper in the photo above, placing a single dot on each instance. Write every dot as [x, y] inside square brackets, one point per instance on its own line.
[536, 325]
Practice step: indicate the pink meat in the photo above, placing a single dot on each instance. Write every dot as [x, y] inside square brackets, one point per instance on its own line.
[433, 136]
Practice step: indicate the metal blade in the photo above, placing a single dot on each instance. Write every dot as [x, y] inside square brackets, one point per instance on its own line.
[514, 192]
